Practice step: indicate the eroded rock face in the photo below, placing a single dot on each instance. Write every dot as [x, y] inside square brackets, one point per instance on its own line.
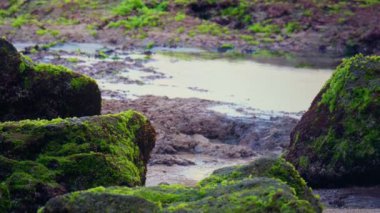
[337, 141]
[42, 159]
[265, 185]
[31, 91]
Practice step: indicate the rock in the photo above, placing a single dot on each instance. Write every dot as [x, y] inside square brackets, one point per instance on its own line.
[170, 160]
[265, 185]
[190, 126]
[337, 141]
[96, 203]
[42, 159]
[31, 91]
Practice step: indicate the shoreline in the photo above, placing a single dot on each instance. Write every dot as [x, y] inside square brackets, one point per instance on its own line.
[202, 131]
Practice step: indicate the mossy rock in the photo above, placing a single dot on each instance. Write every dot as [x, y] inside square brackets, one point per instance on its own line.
[337, 141]
[45, 91]
[40, 159]
[265, 185]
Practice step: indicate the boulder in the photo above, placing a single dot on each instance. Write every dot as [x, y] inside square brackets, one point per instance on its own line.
[45, 91]
[265, 185]
[40, 159]
[337, 141]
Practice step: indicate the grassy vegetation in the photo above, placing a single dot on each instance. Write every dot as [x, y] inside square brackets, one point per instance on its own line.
[92, 29]
[254, 23]
[20, 21]
[41, 32]
[267, 29]
[211, 29]
[180, 16]
[136, 14]
[292, 27]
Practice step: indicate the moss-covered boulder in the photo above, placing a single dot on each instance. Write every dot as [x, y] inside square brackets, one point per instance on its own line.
[44, 158]
[31, 91]
[337, 141]
[265, 185]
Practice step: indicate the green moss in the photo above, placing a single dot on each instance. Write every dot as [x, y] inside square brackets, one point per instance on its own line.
[65, 21]
[304, 162]
[4, 198]
[250, 39]
[279, 169]
[211, 29]
[13, 8]
[362, 97]
[227, 46]
[342, 128]
[22, 67]
[52, 69]
[239, 12]
[42, 32]
[87, 170]
[73, 154]
[92, 29]
[139, 14]
[258, 187]
[267, 29]
[180, 16]
[20, 21]
[81, 82]
[101, 54]
[368, 3]
[292, 27]
[127, 6]
[347, 72]
[183, 2]
[73, 60]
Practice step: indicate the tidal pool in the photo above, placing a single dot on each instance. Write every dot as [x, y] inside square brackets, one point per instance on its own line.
[241, 82]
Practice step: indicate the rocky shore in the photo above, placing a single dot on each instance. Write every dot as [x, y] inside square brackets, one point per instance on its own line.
[192, 136]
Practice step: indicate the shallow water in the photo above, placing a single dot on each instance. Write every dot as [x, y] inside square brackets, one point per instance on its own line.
[189, 175]
[89, 48]
[243, 82]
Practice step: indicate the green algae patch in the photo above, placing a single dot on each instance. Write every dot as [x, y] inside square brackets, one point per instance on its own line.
[43, 91]
[337, 142]
[52, 69]
[41, 159]
[265, 185]
[278, 169]
[81, 82]
[4, 198]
